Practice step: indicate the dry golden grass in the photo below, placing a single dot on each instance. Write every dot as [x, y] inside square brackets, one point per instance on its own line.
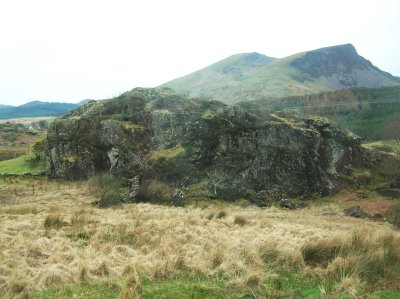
[21, 209]
[81, 243]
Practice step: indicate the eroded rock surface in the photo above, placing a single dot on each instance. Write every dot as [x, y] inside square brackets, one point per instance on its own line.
[239, 151]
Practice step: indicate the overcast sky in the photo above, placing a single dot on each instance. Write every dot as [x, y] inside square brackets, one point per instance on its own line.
[73, 50]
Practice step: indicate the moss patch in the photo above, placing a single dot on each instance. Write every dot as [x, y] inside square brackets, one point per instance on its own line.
[168, 153]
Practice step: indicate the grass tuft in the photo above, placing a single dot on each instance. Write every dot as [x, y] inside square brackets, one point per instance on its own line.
[363, 255]
[240, 220]
[222, 214]
[218, 258]
[321, 252]
[132, 288]
[101, 270]
[53, 220]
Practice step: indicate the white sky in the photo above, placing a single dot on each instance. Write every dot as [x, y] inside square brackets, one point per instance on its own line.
[53, 50]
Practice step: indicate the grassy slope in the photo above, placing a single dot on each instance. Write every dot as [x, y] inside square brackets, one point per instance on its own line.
[277, 78]
[393, 144]
[20, 166]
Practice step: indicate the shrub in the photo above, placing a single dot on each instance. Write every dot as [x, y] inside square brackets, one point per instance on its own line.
[155, 191]
[10, 137]
[111, 197]
[107, 188]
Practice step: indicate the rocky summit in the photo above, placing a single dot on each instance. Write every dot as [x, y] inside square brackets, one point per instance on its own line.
[161, 141]
[253, 76]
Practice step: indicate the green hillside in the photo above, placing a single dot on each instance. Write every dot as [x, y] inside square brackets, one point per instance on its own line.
[372, 113]
[237, 78]
[22, 165]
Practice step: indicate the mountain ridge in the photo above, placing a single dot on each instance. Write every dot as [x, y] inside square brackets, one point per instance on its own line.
[324, 69]
[36, 108]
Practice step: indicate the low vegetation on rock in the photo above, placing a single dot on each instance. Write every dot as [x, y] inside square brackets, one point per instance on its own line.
[157, 142]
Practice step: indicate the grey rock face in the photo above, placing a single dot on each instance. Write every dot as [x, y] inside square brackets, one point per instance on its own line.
[343, 68]
[244, 150]
[241, 151]
[357, 212]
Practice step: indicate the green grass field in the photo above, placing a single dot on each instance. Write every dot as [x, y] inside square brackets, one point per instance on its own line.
[287, 284]
[21, 165]
[393, 144]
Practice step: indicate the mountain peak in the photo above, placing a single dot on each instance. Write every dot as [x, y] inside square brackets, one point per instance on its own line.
[255, 58]
[330, 60]
[32, 104]
[345, 48]
[250, 76]
[342, 67]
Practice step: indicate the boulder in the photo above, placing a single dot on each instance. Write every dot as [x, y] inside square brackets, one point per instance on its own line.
[376, 216]
[287, 204]
[261, 199]
[178, 198]
[356, 211]
[240, 151]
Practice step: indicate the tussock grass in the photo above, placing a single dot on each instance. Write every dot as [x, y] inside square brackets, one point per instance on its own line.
[101, 270]
[240, 220]
[140, 245]
[221, 214]
[363, 256]
[53, 220]
[22, 209]
[119, 235]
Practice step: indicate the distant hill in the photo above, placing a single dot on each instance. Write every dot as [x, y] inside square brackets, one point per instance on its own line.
[251, 76]
[35, 109]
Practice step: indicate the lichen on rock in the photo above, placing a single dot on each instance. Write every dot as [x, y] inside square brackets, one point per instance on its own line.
[157, 135]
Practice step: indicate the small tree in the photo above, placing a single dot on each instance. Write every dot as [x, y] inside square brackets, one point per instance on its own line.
[38, 150]
[43, 124]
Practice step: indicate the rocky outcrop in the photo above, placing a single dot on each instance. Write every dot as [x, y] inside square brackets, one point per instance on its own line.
[342, 67]
[246, 151]
[239, 151]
